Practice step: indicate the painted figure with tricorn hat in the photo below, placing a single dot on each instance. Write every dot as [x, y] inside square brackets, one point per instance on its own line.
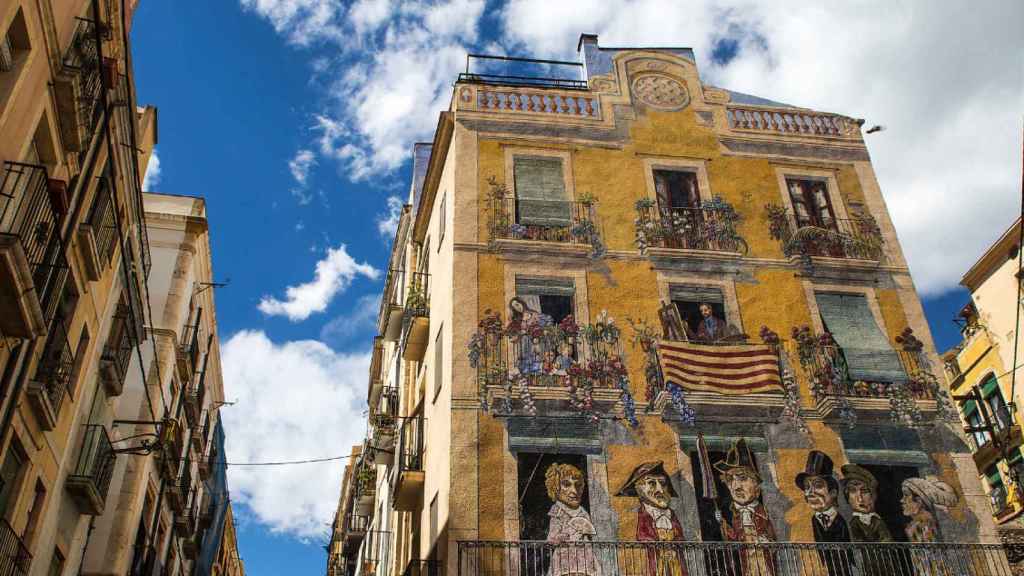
[745, 520]
[821, 492]
[655, 520]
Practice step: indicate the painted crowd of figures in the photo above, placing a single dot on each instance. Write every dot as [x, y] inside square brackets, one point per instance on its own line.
[742, 517]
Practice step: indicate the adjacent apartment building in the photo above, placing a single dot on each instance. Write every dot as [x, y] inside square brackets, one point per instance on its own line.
[109, 372]
[635, 323]
[981, 367]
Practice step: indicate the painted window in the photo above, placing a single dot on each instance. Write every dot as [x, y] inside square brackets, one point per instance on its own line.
[541, 198]
[811, 204]
[676, 189]
[552, 297]
[869, 356]
[702, 310]
[552, 488]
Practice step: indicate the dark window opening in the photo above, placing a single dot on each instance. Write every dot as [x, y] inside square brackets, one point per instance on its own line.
[811, 204]
[676, 189]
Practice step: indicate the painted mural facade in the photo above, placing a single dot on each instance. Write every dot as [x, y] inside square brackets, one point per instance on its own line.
[671, 331]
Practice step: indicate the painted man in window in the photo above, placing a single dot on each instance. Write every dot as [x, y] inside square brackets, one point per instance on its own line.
[860, 487]
[746, 519]
[821, 492]
[655, 520]
[570, 525]
[711, 328]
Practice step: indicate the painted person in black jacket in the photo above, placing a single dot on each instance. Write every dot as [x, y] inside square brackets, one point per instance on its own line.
[821, 492]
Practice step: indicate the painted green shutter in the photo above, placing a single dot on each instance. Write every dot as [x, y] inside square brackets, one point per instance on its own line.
[868, 353]
[545, 286]
[540, 192]
[696, 294]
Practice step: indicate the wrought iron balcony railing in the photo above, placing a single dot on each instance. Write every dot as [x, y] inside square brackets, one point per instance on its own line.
[410, 444]
[525, 72]
[14, 555]
[32, 208]
[49, 387]
[374, 557]
[117, 351]
[854, 238]
[532, 558]
[79, 89]
[417, 294]
[356, 524]
[90, 479]
[558, 221]
[711, 227]
[824, 361]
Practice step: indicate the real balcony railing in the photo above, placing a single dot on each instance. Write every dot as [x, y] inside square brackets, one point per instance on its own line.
[711, 227]
[117, 352]
[207, 510]
[185, 521]
[528, 72]
[79, 88]
[89, 482]
[178, 491]
[851, 238]
[98, 234]
[208, 461]
[188, 349]
[33, 266]
[356, 525]
[374, 557]
[409, 476]
[416, 316]
[15, 558]
[194, 397]
[49, 387]
[533, 558]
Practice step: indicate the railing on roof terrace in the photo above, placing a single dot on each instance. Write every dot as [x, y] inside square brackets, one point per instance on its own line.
[515, 71]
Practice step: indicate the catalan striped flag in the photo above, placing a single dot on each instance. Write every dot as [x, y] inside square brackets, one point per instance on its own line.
[731, 369]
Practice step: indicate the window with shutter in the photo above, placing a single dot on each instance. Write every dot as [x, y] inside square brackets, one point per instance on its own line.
[869, 356]
[811, 204]
[549, 296]
[540, 192]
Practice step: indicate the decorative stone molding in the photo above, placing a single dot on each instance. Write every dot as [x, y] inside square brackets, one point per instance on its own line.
[660, 92]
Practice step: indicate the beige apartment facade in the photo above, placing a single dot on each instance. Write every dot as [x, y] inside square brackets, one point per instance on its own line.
[109, 375]
[635, 323]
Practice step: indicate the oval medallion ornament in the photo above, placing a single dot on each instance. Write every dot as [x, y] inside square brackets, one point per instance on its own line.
[661, 92]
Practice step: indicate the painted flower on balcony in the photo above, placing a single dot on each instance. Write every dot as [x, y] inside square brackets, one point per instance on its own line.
[565, 362]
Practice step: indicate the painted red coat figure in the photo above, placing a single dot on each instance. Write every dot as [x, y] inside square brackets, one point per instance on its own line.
[655, 520]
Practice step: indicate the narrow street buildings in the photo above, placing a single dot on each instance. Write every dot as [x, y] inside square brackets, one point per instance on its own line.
[627, 308]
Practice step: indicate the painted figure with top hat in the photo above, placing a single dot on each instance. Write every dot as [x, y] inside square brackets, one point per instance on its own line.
[821, 492]
[655, 520]
[746, 519]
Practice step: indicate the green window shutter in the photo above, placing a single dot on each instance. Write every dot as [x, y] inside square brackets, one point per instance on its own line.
[868, 353]
[993, 476]
[696, 294]
[969, 408]
[990, 386]
[545, 286]
[540, 192]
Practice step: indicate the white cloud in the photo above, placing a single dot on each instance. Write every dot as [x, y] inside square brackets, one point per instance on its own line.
[302, 22]
[152, 176]
[387, 223]
[333, 275]
[300, 165]
[357, 322]
[296, 400]
[945, 79]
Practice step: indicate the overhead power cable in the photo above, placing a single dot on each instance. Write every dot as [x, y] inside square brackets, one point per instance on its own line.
[289, 462]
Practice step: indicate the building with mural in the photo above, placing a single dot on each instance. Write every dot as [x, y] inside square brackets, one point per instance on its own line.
[635, 323]
[981, 366]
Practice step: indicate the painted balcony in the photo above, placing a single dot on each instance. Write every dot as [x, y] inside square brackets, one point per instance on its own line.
[407, 482]
[534, 366]
[849, 239]
[416, 317]
[14, 555]
[790, 122]
[837, 394]
[550, 223]
[89, 481]
[50, 385]
[533, 558]
[670, 232]
[33, 267]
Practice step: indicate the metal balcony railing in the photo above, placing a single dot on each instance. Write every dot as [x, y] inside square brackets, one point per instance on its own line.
[856, 238]
[532, 558]
[90, 478]
[31, 213]
[417, 294]
[374, 558]
[117, 351]
[56, 366]
[710, 228]
[827, 368]
[389, 402]
[409, 452]
[530, 72]
[124, 112]
[104, 222]
[356, 523]
[82, 64]
[543, 220]
[14, 555]
[190, 342]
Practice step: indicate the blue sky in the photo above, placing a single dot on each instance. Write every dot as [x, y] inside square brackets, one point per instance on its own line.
[294, 118]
